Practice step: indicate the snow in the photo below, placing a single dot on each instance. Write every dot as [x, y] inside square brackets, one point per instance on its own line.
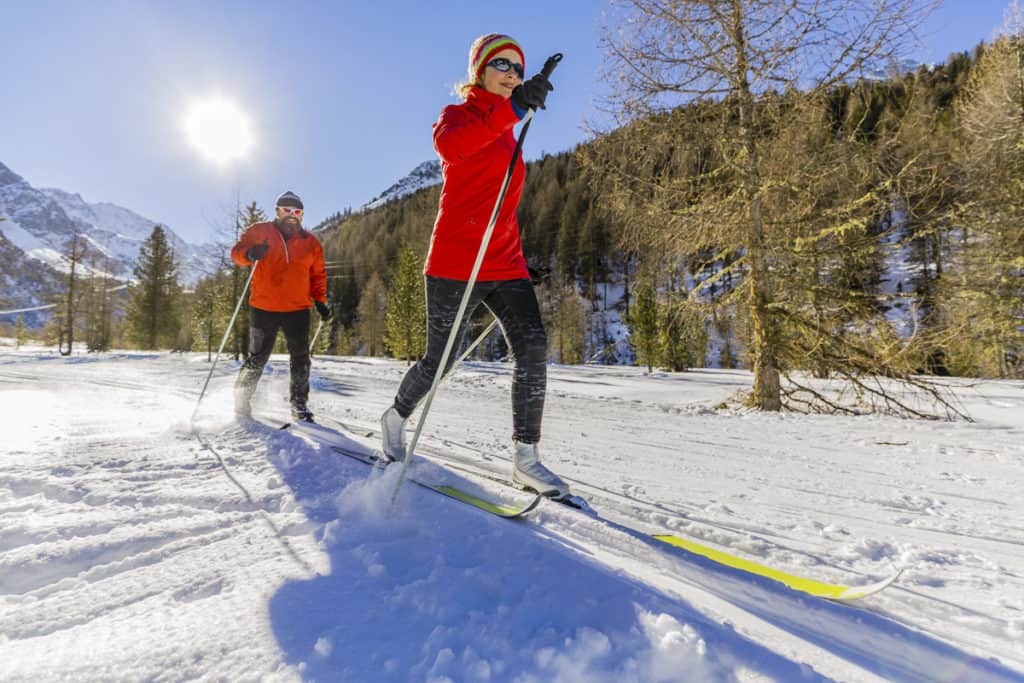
[426, 174]
[132, 548]
[32, 246]
[119, 233]
[898, 290]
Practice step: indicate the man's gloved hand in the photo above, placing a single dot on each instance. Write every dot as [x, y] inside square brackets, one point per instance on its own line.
[257, 251]
[324, 310]
[532, 93]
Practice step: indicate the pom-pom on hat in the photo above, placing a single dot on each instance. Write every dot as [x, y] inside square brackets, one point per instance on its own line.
[487, 47]
[289, 198]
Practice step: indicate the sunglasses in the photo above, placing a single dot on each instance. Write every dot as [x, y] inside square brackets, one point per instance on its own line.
[290, 211]
[503, 65]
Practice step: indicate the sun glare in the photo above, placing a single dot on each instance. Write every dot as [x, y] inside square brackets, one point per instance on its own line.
[218, 129]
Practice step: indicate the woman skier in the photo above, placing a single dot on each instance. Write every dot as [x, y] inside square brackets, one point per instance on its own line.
[475, 142]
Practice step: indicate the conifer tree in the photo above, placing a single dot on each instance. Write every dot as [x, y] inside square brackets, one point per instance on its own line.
[568, 332]
[683, 336]
[372, 310]
[210, 311]
[985, 293]
[75, 252]
[98, 305]
[719, 187]
[406, 319]
[20, 333]
[154, 313]
[250, 215]
[643, 323]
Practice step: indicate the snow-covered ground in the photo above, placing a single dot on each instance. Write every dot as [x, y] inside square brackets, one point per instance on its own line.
[133, 549]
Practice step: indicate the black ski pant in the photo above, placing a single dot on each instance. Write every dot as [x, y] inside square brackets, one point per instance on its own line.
[514, 304]
[263, 327]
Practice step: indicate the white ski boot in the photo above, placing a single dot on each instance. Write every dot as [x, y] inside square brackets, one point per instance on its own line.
[528, 472]
[392, 431]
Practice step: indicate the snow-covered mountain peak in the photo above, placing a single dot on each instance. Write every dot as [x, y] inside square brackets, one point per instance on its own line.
[426, 174]
[41, 221]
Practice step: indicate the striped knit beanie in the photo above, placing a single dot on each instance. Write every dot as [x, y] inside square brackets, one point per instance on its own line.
[487, 47]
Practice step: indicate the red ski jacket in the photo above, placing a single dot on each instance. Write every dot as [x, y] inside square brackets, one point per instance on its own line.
[475, 142]
[292, 273]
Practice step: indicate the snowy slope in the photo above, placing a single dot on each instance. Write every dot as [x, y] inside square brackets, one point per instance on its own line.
[426, 174]
[20, 289]
[119, 233]
[41, 221]
[130, 549]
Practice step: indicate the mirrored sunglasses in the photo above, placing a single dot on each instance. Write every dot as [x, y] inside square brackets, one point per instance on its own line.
[289, 210]
[503, 65]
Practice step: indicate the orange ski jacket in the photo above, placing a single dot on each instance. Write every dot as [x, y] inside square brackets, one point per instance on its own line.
[291, 276]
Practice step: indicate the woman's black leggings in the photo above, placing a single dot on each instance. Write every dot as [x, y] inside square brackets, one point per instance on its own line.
[514, 304]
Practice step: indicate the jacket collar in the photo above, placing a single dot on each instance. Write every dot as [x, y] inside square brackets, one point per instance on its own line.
[301, 233]
[480, 96]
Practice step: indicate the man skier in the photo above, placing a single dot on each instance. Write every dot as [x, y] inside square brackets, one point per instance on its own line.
[290, 274]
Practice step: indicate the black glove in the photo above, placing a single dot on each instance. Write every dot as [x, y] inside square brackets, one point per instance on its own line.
[532, 93]
[257, 252]
[538, 276]
[323, 309]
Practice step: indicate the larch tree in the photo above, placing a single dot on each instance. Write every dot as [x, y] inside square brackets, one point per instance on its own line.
[747, 68]
[986, 289]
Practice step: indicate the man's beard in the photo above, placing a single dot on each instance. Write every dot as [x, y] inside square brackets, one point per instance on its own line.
[290, 226]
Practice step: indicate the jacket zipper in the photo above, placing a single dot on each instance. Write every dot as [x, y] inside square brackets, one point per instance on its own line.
[287, 259]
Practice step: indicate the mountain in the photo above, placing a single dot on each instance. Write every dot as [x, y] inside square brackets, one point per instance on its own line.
[426, 174]
[24, 283]
[40, 221]
[119, 233]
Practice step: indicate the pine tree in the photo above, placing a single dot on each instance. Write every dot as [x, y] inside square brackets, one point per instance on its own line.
[155, 311]
[643, 323]
[250, 215]
[406, 319]
[372, 308]
[20, 333]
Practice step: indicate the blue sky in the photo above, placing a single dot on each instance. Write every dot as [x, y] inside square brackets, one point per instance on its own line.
[341, 95]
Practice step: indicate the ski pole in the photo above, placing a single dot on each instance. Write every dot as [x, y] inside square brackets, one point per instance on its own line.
[471, 347]
[224, 340]
[549, 66]
[312, 344]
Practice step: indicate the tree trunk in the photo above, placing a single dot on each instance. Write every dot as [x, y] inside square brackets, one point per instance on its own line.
[766, 394]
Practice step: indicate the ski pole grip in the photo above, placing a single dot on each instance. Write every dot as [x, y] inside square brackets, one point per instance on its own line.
[550, 65]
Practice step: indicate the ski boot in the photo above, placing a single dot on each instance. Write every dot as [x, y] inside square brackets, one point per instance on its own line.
[392, 430]
[243, 402]
[301, 412]
[528, 472]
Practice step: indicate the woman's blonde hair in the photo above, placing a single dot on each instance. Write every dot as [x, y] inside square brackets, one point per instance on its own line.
[462, 89]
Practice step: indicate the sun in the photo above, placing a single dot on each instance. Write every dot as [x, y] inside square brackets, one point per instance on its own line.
[218, 129]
